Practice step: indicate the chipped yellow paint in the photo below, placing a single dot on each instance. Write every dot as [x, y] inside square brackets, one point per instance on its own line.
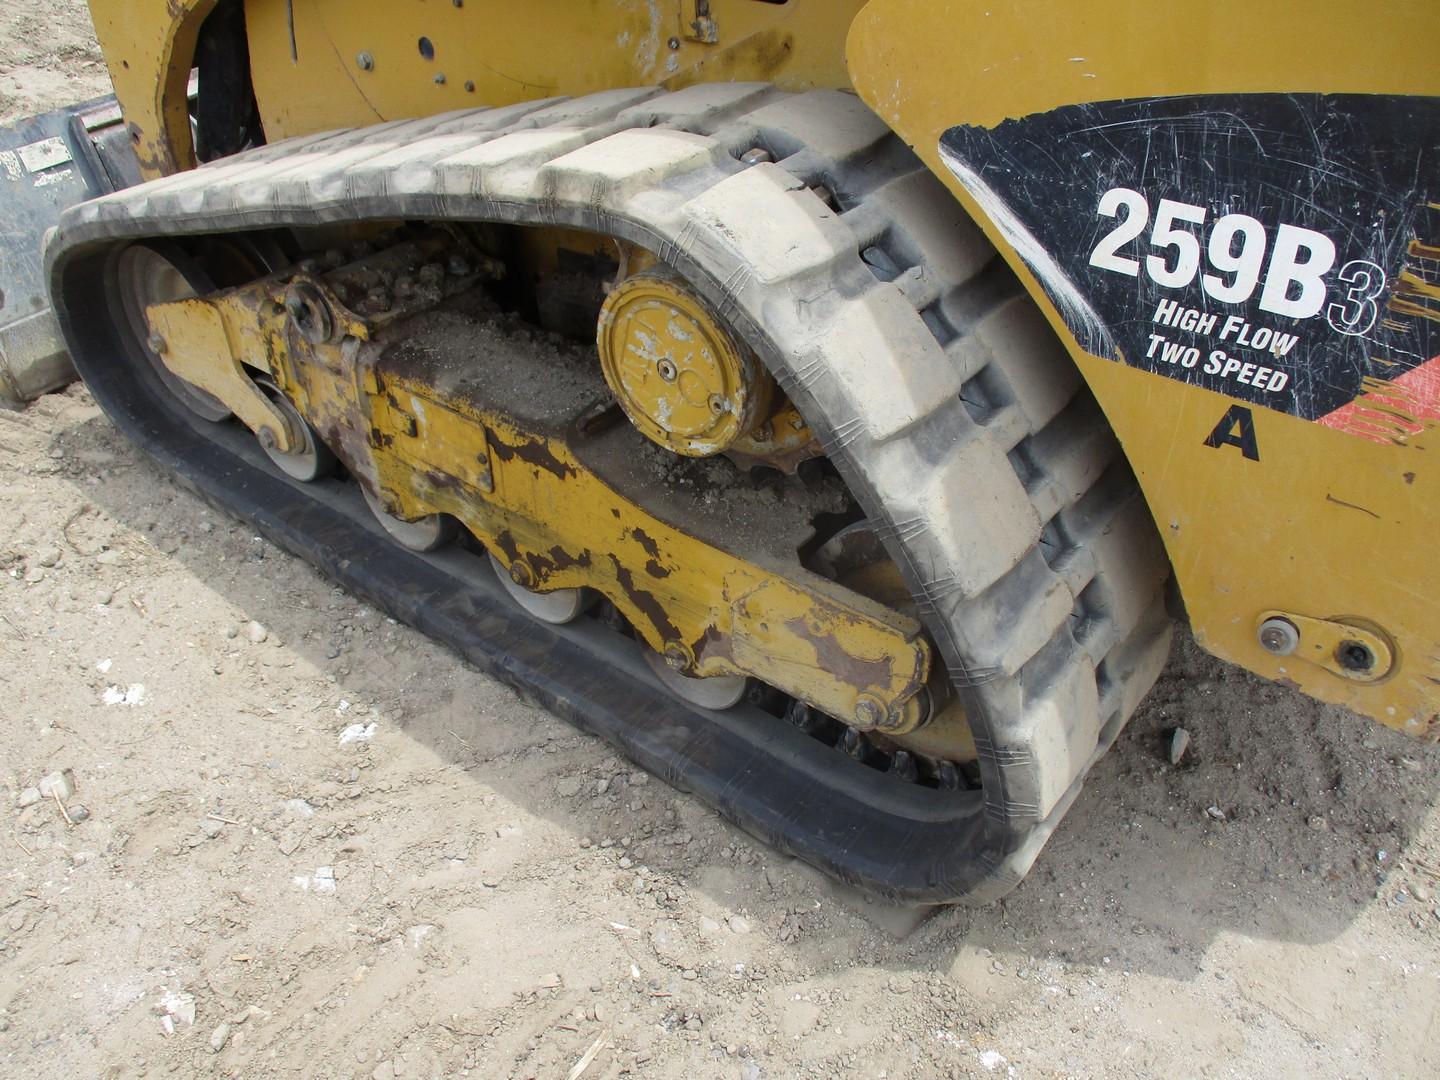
[532, 502]
[678, 372]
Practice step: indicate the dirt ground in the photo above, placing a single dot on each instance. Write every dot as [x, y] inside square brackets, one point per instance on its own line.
[48, 57]
[314, 843]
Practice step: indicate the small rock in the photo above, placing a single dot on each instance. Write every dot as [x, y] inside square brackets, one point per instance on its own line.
[550, 980]
[256, 633]
[232, 632]
[61, 784]
[1179, 745]
[324, 879]
[178, 1005]
[219, 1037]
[739, 924]
[1215, 812]
[569, 787]
[35, 574]
[48, 556]
[77, 813]
[211, 828]
[384, 1071]
[29, 797]
[1420, 891]
[693, 1024]
[104, 596]
[602, 785]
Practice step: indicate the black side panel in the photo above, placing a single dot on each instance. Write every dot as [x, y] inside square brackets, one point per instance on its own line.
[1278, 248]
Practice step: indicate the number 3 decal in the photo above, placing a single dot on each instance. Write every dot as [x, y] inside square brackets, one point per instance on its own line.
[1356, 313]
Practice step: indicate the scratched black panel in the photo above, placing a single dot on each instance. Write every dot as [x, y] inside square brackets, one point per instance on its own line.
[1320, 198]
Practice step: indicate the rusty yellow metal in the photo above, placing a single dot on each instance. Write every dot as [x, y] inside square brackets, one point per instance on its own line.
[532, 502]
[149, 47]
[570, 529]
[1327, 522]
[678, 372]
[201, 340]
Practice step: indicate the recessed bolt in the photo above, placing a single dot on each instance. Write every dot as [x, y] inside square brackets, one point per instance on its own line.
[439, 78]
[469, 86]
[674, 43]
[364, 61]
[1355, 656]
[156, 342]
[457, 265]
[666, 367]
[1279, 636]
[520, 574]
[677, 656]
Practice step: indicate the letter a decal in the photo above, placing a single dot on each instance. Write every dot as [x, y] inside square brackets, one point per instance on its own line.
[1236, 428]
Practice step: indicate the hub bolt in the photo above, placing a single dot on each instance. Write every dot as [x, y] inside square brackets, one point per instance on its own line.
[666, 368]
[678, 657]
[520, 574]
[1355, 656]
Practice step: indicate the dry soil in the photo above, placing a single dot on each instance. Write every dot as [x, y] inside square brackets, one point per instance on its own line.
[472, 887]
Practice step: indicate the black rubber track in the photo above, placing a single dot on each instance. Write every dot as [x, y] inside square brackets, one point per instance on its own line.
[898, 841]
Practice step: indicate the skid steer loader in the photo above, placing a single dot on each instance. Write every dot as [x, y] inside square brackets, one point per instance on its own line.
[830, 403]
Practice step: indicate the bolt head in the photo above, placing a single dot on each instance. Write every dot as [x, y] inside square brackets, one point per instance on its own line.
[156, 342]
[867, 713]
[520, 573]
[677, 657]
[673, 43]
[364, 61]
[266, 438]
[666, 368]
[1279, 636]
[439, 78]
[755, 156]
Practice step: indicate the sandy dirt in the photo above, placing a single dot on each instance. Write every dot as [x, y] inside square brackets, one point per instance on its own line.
[48, 57]
[314, 843]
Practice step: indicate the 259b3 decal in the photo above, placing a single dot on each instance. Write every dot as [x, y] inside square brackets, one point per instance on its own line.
[1251, 244]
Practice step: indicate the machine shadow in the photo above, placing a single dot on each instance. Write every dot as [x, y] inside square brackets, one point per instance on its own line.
[1271, 827]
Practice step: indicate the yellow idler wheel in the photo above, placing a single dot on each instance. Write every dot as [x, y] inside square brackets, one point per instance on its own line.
[676, 369]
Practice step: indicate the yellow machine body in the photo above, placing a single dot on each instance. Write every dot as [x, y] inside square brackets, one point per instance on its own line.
[1323, 526]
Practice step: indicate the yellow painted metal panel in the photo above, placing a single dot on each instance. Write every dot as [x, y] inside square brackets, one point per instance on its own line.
[1326, 524]
[362, 65]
